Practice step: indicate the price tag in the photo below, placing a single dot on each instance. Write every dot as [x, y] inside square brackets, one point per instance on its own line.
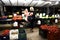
[10, 15]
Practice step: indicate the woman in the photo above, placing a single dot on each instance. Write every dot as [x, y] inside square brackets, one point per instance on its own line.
[29, 19]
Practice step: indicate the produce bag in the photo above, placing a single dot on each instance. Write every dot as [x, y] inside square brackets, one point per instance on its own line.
[14, 34]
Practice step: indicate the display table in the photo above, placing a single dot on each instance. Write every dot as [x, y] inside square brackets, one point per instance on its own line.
[50, 32]
[43, 31]
[6, 34]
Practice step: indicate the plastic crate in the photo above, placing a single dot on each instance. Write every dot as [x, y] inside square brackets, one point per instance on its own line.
[22, 34]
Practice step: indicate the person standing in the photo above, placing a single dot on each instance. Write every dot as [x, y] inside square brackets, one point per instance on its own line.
[31, 20]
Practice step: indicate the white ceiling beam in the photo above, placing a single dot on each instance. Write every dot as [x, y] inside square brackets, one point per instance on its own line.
[14, 2]
[6, 2]
[21, 2]
[45, 3]
[27, 2]
[10, 2]
[40, 3]
[1, 3]
[33, 3]
[54, 0]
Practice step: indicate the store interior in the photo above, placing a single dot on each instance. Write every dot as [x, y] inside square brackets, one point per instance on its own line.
[29, 19]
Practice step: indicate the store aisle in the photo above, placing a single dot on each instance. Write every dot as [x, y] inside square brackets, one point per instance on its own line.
[33, 35]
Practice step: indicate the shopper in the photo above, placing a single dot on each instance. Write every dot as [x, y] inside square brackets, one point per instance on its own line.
[26, 13]
[31, 20]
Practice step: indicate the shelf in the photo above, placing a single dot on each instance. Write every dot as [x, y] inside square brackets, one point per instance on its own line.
[47, 18]
[7, 20]
[5, 25]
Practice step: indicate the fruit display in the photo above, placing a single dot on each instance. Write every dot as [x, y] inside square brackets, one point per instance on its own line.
[18, 17]
[50, 31]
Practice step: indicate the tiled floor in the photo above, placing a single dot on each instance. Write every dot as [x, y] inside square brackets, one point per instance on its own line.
[34, 35]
